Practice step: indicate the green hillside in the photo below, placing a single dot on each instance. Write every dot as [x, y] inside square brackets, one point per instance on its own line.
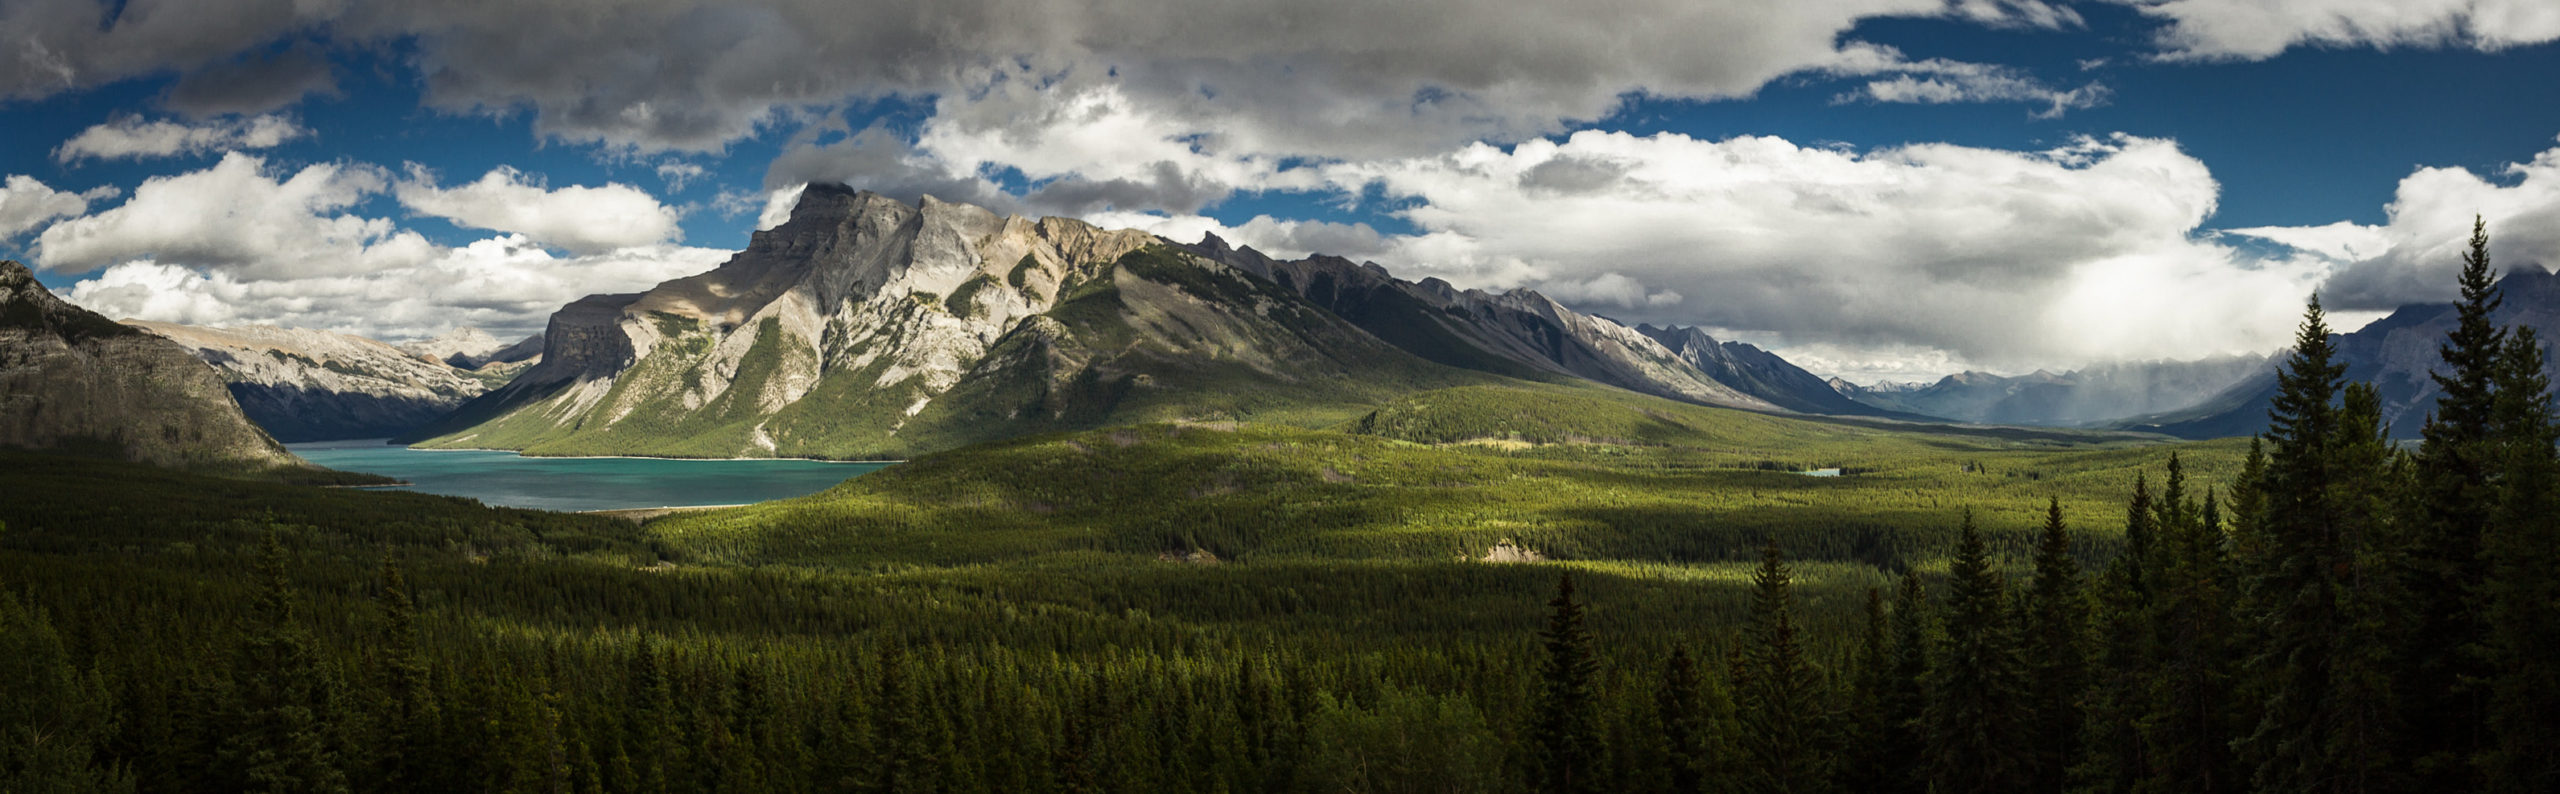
[1166, 606]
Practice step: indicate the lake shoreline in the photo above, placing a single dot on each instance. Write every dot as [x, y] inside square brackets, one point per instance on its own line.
[520, 453]
[580, 484]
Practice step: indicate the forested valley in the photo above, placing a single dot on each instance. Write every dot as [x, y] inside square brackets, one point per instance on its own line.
[2319, 611]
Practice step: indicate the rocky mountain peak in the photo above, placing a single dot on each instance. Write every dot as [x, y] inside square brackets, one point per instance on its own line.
[26, 304]
[72, 380]
[458, 347]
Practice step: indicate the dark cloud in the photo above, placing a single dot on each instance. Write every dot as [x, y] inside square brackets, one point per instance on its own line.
[1293, 77]
[253, 84]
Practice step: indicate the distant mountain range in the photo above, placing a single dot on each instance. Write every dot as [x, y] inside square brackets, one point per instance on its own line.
[2395, 354]
[865, 327]
[2092, 396]
[311, 385]
[72, 381]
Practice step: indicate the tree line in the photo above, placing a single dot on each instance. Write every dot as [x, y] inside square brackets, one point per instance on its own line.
[2344, 617]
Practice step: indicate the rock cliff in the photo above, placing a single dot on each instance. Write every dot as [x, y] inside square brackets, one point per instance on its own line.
[73, 381]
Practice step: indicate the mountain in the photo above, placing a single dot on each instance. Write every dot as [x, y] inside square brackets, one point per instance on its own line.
[1519, 334]
[1757, 372]
[469, 348]
[458, 347]
[864, 327]
[76, 382]
[2396, 354]
[2089, 396]
[310, 385]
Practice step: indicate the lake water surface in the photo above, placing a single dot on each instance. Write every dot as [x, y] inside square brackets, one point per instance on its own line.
[511, 480]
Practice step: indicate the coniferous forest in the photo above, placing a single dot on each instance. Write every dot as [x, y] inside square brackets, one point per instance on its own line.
[2336, 613]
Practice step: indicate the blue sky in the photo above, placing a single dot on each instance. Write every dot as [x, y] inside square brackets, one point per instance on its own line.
[1875, 188]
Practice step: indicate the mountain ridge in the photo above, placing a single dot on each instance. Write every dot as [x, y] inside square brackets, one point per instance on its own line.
[76, 382]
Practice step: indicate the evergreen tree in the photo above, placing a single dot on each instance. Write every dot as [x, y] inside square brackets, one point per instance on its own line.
[2126, 652]
[1903, 700]
[1681, 707]
[2521, 594]
[404, 751]
[53, 718]
[905, 745]
[284, 729]
[1785, 722]
[650, 714]
[2187, 728]
[1565, 732]
[2057, 631]
[2457, 468]
[1978, 706]
[1864, 763]
[2316, 598]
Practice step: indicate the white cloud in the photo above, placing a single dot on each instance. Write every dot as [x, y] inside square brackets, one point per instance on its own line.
[577, 218]
[2343, 241]
[506, 285]
[1980, 86]
[678, 173]
[238, 243]
[26, 203]
[2415, 255]
[1926, 255]
[236, 216]
[132, 137]
[2259, 29]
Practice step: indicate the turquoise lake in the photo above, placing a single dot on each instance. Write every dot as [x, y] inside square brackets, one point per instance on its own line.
[511, 480]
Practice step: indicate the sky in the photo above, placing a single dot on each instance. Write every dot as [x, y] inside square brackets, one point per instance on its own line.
[1875, 189]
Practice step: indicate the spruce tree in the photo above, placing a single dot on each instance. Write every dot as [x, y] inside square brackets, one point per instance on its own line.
[2521, 593]
[1565, 730]
[284, 734]
[1978, 705]
[1785, 721]
[2125, 652]
[1681, 708]
[54, 719]
[2317, 597]
[2187, 727]
[2057, 655]
[1903, 701]
[405, 749]
[2457, 466]
[1864, 763]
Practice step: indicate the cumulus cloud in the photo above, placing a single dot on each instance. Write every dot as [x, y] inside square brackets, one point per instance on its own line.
[241, 243]
[508, 285]
[133, 137]
[2258, 29]
[238, 216]
[577, 218]
[1933, 253]
[2414, 256]
[26, 203]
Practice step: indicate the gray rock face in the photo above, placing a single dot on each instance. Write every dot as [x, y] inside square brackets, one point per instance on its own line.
[76, 382]
[1518, 333]
[464, 347]
[309, 385]
[882, 305]
[2396, 354]
[1757, 372]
